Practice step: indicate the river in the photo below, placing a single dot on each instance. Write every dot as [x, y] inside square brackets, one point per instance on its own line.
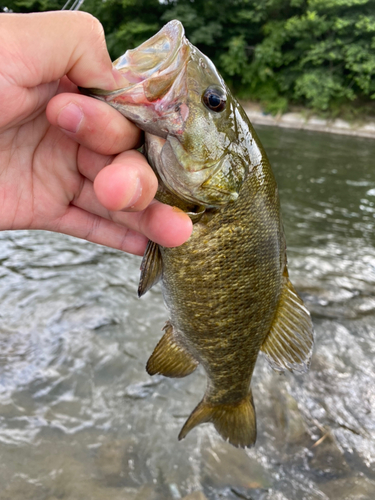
[81, 419]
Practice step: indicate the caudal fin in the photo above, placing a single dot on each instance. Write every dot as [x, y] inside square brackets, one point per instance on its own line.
[235, 423]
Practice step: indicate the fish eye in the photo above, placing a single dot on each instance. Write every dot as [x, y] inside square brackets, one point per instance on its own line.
[214, 99]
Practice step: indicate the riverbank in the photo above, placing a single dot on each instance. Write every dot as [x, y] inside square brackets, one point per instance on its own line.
[302, 121]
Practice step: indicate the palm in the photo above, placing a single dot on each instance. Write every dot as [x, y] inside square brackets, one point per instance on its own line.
[86, 181]
[42, 178]
[39, 187]
[47, 181]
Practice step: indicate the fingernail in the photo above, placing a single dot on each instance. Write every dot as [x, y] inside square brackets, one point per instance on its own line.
[181, 213]
[137, 194]
[70, 117]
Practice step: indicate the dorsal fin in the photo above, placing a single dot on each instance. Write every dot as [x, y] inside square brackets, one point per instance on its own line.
[170, 358]
[289, 343]
[151, 268]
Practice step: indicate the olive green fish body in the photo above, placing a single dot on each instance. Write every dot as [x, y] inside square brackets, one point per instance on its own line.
[222, 286]
[227, 288]
[222, 289]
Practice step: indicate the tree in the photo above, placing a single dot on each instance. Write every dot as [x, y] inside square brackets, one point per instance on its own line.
[319, 53]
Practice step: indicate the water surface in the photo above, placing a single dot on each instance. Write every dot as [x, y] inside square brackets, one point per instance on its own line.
[81, 419]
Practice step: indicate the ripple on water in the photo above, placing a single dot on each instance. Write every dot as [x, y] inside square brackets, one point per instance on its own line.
[79, 416]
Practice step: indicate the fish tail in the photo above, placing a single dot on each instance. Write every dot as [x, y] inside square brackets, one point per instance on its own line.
[235, 422]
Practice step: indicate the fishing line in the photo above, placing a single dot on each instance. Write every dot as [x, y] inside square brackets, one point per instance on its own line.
[75, 6]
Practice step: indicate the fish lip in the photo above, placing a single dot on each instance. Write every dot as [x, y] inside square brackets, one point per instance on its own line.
[135, 68]
[171, 36]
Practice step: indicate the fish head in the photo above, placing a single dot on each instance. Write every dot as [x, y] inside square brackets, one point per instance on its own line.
[197, 135]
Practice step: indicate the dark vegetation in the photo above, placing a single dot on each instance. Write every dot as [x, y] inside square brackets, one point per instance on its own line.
[316, 53]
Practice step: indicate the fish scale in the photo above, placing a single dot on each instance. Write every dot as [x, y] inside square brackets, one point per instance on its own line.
[227, 288]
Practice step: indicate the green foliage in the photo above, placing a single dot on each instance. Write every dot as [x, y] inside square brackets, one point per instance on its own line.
[322, 56]
[127, 23]
[319, 53]
[31, 5]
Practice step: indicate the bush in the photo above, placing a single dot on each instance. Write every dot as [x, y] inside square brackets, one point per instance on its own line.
[318, 53]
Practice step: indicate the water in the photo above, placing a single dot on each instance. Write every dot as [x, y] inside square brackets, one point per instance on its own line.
[81, 419]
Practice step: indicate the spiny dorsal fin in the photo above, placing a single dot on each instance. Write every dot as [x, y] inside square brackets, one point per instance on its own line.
[151, 268]
[289, 344]
[170, 358]
[235, 423]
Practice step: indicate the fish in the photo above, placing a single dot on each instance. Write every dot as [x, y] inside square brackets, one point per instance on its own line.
[227, 289]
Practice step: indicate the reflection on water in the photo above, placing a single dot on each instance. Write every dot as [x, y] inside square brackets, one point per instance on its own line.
[81, 419]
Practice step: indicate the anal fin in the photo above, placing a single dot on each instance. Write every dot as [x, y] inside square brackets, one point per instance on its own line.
[289, 343]
[236, 423]
[151, 268]
[170, 358]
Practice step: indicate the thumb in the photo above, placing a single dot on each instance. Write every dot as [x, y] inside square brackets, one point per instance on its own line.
[43, 47]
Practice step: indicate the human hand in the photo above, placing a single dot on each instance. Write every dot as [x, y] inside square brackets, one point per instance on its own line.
[67, 162]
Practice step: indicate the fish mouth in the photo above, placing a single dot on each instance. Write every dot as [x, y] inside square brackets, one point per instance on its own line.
[155, 98]
[149, 70]
[155, 83]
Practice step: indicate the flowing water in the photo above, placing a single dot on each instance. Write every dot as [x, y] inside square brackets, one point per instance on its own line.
[81, 419]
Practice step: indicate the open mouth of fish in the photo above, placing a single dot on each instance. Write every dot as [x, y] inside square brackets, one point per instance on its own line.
[154, 97]
[149, 70]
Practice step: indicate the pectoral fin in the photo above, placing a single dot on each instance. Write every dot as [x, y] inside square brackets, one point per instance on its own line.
[151, 268]
[170, 358]
[290, 341]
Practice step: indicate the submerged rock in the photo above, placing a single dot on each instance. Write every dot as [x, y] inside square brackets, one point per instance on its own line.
[196, 495]
[22, 491]
[350, 488]
[148, 492]
[118, 463]
[290, 425]
[327, 458]
[223, 465]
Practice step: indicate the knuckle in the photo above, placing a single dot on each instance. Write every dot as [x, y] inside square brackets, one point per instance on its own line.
[93, 27]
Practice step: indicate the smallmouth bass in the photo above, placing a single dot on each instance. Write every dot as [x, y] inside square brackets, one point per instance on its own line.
[227, 288]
